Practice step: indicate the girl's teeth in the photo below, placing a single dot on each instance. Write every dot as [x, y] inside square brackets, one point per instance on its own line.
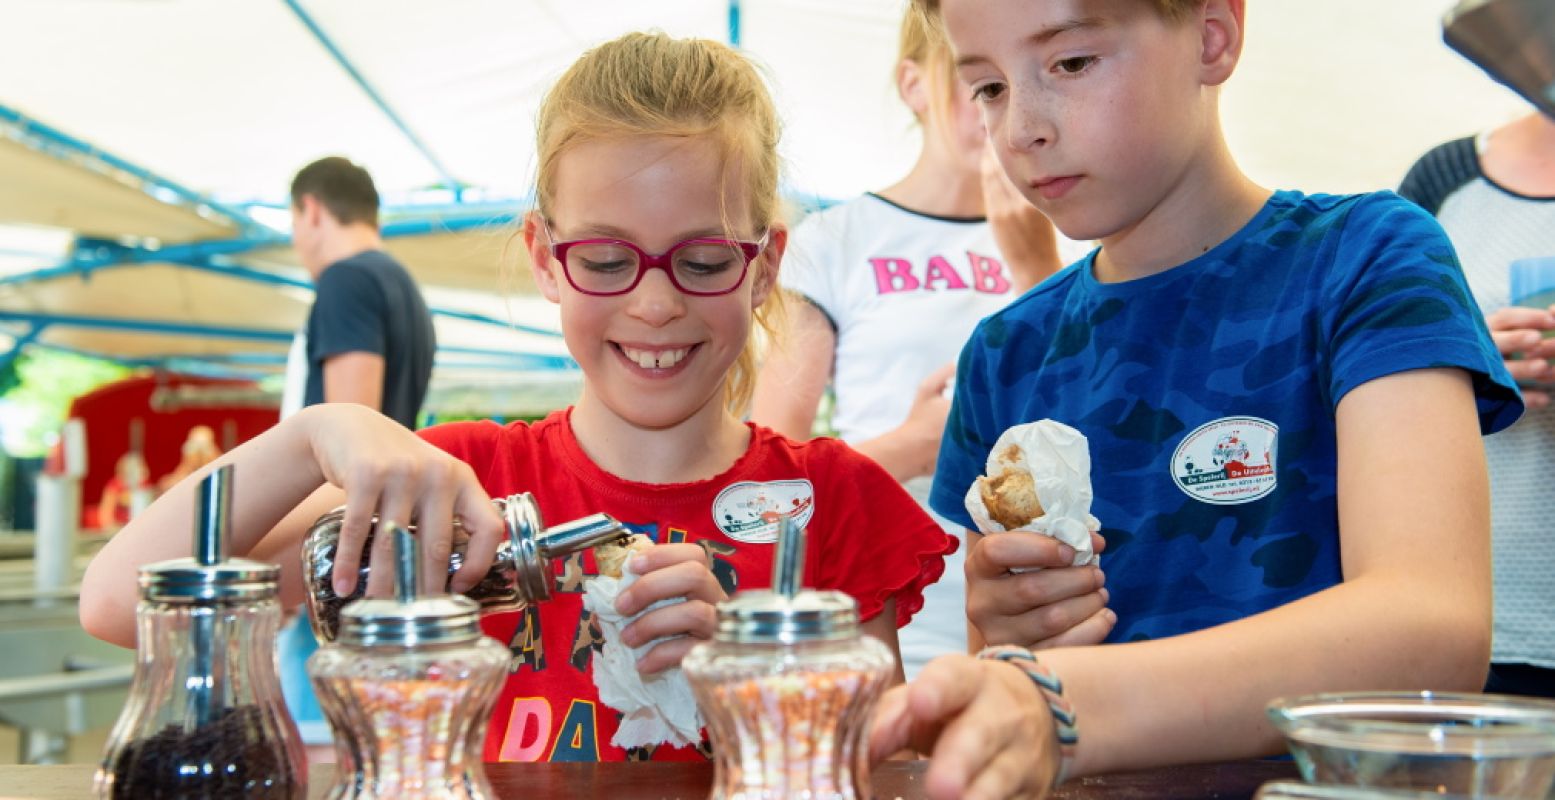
[656, 359]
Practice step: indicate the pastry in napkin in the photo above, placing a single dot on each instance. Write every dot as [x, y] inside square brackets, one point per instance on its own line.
[1038, 479]
[656, 708]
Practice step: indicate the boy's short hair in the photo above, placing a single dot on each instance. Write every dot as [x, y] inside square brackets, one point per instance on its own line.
[1173, 10]
[343, 187]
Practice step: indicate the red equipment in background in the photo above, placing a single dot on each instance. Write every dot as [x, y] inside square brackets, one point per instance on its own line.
[167, 405]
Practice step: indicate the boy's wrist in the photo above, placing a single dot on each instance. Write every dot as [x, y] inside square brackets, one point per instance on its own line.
[1066, 730]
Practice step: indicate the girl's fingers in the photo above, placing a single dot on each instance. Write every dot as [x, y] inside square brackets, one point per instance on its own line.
[1528, 370]
[434, 527]
[1516, 319]
[693, 618]
[1535, 398]
[484, 527]
[660, 556]
[397, 505]
[665, 655]
[355, 525]
[687, 579]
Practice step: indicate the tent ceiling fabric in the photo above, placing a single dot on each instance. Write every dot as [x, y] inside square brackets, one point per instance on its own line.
[481, 259]
[42, 190]
[233, 97]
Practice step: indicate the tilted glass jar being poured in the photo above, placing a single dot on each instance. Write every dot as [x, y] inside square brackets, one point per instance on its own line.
[408, 688]
[787, 685]
[205, 718]
[522, 571]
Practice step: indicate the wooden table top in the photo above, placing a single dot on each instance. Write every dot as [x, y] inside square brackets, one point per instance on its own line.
[691, 781]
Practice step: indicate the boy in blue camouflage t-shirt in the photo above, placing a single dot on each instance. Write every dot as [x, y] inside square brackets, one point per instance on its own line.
[1284, 396]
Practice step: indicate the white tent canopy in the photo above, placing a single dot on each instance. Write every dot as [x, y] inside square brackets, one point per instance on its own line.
[146, 145]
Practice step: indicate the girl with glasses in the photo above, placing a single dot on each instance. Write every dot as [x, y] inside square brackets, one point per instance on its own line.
[657, 232]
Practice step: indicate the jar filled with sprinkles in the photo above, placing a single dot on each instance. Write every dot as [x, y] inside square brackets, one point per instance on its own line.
[408, 688]
[787, 687]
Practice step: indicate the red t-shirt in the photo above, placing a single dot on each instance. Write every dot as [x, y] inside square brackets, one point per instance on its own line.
[866, 535]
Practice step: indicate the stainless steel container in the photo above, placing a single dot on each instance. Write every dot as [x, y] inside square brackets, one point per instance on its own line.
[521, 573]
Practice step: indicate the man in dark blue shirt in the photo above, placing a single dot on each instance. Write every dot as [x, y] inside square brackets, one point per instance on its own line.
[369, 337]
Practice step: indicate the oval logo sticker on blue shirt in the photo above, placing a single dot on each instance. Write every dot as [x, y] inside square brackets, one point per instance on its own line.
[1228, 461]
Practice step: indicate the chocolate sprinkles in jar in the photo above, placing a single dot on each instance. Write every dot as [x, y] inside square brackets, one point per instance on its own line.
[787, 686]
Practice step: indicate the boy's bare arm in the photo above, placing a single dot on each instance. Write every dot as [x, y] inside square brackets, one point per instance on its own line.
[1413, 612]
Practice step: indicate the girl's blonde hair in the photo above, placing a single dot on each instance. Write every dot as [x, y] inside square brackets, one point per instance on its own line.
[922, 41]
[649, 84]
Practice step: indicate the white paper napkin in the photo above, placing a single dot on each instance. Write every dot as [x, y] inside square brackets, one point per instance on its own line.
[657, 709]
[1058, 458]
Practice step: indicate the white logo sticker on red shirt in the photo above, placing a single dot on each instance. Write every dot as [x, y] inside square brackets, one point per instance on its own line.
[749, 511]
[1228, 461]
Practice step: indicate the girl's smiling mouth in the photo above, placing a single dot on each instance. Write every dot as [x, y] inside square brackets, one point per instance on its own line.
[656, 360]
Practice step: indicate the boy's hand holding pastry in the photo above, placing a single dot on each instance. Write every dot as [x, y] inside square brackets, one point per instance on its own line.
[1022, 590]
[1044, 590]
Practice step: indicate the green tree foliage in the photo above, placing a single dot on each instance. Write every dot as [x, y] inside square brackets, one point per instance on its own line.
[38, 387]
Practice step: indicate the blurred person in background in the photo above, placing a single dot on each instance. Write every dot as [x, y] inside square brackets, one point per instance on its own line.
[199, 449]
[1494, 193]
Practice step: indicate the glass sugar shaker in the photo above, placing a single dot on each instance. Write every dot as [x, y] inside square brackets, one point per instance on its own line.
[205, 717]
[787, 686]
[408, 688]
[522, 571]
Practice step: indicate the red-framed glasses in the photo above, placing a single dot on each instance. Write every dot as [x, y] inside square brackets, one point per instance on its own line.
[702, 267]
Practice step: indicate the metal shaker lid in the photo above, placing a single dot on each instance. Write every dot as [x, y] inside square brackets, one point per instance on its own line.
[411, 618]
[210, 575]
[534, 545]
[766, 617]
[787, 614]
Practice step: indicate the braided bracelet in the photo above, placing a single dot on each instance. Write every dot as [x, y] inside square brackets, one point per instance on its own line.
[1065, 726]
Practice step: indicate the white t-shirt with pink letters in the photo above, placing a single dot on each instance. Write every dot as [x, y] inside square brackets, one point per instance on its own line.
[903, 291]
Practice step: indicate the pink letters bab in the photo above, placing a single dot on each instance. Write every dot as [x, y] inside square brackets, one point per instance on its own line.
[896, 275]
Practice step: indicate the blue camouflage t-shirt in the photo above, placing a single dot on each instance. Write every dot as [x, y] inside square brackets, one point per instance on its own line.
[1208, 395]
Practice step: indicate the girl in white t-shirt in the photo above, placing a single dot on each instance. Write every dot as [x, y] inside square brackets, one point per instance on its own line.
[892, 284]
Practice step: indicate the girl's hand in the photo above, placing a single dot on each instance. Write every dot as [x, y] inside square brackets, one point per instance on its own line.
[1519, 335]
[670, 571]
[386, 470]
[1055, 605]
[1026, 237]
[986, 727]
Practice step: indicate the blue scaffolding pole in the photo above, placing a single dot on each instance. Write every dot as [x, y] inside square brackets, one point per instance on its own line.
[372, 93]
